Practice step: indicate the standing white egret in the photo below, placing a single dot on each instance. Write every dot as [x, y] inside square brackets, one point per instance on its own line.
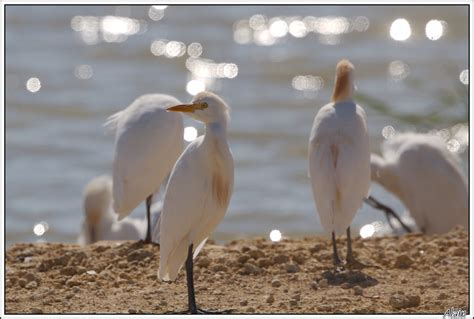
[339, 159]
[428, 179]
[101, 223]
[148, 141]
[198, 192]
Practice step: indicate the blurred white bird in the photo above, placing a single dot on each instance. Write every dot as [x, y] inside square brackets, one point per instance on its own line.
[426, 177]
[198, 192]
[147, 144]
[339, 159]
[101, 223]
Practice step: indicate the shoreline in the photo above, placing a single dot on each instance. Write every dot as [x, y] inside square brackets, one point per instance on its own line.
[413, 273]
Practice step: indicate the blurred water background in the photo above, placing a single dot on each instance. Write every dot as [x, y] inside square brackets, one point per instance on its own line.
[69, 67]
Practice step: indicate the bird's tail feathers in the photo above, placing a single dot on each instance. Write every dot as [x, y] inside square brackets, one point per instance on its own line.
[198, 248]
[172, 263]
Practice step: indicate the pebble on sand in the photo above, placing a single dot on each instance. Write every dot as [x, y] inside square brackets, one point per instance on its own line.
[400, 301]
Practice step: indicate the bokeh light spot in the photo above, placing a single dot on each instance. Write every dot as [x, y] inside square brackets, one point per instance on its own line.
[33, 85]
[367, 231]
[400, 30]
[275, 235]
[190, 133]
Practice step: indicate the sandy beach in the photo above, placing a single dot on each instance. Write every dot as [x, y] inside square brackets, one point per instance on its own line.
[413, 273]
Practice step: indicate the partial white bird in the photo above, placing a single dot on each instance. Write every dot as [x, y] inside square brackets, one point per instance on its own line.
[339, 159]
[148, 142]
[426, 177]
[198, 192]
[100, 223]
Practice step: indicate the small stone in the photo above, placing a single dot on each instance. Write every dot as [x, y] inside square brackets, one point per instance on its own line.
[30, 277]
[264, 262]
[243, 259]
[442, 296]
[358, 291]
[299, 258]
[139, 255]
[122, 264]
[250, 309]
[270, 298]
[276, 283]
[36, 310]
[293, 302]
[68, 271]
[244, 302]
[203, 262]
[73, 282]
[316, 248]
[403, 262]
[31, 285]
[69, 295]
[280, 259]
[458, 252]
[323, 283]
[314, 285]
[163, 303]
[256, 254]
[76, 289]
[251, 269]
[219, 268]
[296, 296]
[131, 310]
[22, 282]
[346, 285]
[244, 249]
[292, 268]
[403, 281]
[399, 301]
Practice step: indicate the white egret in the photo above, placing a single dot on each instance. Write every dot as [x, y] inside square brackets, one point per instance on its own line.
[339, 159]
[198, 192]
[101, 223]
[148, 141]
[426, 177]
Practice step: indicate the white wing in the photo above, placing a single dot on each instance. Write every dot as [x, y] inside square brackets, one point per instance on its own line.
[183, 208]
[339, 164]
[148, 141]
[190, 212]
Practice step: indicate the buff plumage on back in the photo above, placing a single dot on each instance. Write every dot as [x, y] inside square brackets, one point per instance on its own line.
[344, 83]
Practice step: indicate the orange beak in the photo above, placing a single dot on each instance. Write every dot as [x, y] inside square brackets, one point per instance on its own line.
[187, 108]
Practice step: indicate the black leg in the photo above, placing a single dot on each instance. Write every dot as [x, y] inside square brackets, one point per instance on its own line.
[349, 244]
[388, 211]
[335, 255]
[92, 234]
[148, 219]
[351, 262]
[192, 308]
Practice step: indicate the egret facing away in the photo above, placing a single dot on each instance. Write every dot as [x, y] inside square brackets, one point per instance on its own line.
[339, 159]
[101, 223]
[198, 192]
[147, 143]
[428, 179]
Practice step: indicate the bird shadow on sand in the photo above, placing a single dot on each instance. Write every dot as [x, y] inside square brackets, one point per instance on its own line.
[352, 278]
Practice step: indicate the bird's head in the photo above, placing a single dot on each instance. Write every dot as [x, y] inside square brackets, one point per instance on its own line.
[205, 107]
[344, 85]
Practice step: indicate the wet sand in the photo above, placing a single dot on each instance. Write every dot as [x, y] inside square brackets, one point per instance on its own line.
[409, 274]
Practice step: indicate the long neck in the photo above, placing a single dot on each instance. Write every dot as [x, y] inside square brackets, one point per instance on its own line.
[343, 88]
[217, 131]
[382, 173]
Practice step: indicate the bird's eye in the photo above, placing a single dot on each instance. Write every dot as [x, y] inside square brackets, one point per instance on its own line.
[204, 105]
